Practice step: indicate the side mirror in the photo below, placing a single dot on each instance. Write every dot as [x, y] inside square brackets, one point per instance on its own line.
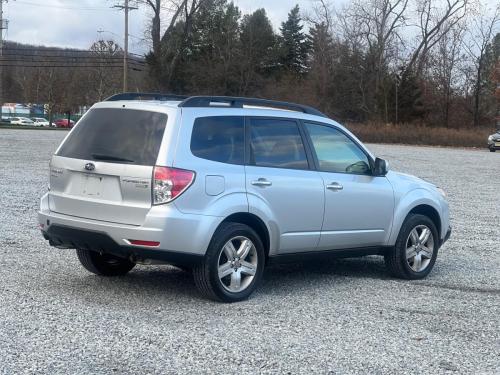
[381, 167]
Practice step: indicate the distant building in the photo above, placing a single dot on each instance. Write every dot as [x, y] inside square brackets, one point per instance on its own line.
[12, 109]
[18, 109]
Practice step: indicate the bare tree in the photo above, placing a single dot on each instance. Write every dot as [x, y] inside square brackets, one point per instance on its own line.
[481, 32]
[434, 23]
[377, 21]
[169, 12]
[173, 10]
[105, 80]
[444, 66]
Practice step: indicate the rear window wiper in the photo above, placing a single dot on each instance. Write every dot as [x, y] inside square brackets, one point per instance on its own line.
[111, 158]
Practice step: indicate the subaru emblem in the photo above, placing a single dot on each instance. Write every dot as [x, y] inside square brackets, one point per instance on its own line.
[89, 166]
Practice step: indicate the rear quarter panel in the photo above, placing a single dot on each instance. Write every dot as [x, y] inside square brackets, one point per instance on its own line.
[218, 188]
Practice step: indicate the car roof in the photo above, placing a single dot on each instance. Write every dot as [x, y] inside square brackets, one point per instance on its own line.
[206, 101]
[250, 110]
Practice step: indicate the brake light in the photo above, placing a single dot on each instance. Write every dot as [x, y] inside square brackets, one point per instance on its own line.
[169, 183]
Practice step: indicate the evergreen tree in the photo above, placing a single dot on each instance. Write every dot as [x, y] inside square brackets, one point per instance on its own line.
[257, 38]
[410, 105]
[294, 43]
[215, 47]
[258, 52]
[321, 65]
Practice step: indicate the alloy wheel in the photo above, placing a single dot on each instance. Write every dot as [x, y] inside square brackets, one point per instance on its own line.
[237, 264]
[419, 248]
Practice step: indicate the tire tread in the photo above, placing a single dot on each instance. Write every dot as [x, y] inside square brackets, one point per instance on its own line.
[394, 260]
[201, 272]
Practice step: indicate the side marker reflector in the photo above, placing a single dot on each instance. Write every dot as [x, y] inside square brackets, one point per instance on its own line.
[144, 243]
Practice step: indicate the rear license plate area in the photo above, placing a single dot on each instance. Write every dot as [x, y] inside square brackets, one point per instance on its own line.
[92, 186]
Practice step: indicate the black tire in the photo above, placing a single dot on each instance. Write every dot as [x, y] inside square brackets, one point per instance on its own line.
[395, 259]
[206, 275]
[492, 149]
[104, 264]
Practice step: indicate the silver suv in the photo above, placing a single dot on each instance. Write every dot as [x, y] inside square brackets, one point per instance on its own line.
[225, 185]
[494, 141]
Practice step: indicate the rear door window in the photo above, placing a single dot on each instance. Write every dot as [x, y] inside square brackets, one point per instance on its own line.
[219, 138]
[277, 143]
[116, 135]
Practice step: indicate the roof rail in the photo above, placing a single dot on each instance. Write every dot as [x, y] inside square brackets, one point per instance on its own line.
[144, 96]
[238, 102]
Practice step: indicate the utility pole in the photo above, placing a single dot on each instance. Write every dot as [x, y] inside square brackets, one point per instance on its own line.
[3, 25]
[397, 82]
[125, 8]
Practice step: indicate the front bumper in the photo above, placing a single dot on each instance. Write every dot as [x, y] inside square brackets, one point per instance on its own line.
[494, 145]
[447, 236]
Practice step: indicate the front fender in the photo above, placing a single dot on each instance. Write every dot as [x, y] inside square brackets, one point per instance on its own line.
[408, 202]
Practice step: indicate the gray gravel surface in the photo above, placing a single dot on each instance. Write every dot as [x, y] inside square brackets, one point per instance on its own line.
[339, 316]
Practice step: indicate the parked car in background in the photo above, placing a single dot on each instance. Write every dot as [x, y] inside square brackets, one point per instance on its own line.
[63, 123]
[40, 121]
[20, 121]
[6, 120]
[494, 141]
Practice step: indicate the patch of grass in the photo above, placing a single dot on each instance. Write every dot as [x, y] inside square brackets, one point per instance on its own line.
[420, 135]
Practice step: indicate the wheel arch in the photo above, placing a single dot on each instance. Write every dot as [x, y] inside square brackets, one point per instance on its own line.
[418, 201]
[254, 222]
[430, 212]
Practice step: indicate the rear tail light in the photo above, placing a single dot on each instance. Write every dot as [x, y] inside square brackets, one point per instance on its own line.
[169, 183]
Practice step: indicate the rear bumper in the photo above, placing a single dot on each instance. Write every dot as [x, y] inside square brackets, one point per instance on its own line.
[74, 238]
[177, 233]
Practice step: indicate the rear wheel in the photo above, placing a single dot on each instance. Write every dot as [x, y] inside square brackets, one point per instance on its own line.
[416, 248]
[103, 264]
[492, 149]
[233, 264]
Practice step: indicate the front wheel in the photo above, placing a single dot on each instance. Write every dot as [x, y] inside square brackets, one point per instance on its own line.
[233, 264]
[103, 264]
[416, 249]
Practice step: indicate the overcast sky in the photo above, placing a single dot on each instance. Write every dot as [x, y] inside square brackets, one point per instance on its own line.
[75, 23]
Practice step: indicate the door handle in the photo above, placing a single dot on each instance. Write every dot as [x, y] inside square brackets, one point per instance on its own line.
[261, 182]
[334, 186]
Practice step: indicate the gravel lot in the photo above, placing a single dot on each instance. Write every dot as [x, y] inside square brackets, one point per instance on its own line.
[343, 316]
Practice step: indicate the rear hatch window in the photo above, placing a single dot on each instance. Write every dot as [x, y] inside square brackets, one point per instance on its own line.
[116, 135]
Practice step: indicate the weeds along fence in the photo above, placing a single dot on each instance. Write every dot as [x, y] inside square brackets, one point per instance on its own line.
[420, 135]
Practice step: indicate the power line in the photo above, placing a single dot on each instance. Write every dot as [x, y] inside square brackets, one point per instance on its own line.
[67, 66]
[15, 58]
[65, 7]
[56, 49]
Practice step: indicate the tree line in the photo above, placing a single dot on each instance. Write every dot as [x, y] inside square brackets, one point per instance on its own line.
[392, 61]
[430, 62]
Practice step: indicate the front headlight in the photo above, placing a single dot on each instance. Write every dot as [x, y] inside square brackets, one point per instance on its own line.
[441, 191]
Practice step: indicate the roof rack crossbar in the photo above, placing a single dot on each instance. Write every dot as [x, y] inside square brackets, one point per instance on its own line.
[238, 102]
[144, 96]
